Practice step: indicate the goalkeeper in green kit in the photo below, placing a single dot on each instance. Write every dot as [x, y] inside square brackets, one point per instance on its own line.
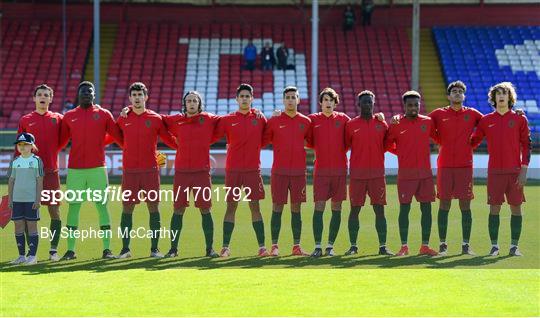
[87, 126]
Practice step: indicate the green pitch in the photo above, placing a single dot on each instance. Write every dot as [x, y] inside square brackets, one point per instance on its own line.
[244, 285]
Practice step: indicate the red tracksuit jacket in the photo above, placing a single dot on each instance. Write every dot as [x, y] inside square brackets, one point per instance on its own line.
[46, 130]
[327, 138]
[287, 135]
[140, 134]
[87, 128]
[454, 129]
[508, 141]
[244, 138]
[411, 140]
[194, 136]
[366, 138]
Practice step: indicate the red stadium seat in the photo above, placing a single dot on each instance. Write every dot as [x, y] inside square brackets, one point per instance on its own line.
[346, 63]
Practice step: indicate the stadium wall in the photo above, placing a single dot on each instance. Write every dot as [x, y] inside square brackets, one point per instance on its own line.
[395, 15]
[321, 2]
[113, 160]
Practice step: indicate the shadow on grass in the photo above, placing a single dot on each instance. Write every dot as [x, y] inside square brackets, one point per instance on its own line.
[285, 262]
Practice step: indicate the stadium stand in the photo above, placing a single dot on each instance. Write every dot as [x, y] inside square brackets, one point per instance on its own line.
[482, 56]
[374, 58]
[31, 54]
[176, 56]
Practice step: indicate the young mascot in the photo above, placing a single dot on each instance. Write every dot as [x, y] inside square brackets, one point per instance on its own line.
[25, 184]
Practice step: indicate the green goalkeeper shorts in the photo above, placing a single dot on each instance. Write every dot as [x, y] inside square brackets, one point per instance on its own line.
[93, 179]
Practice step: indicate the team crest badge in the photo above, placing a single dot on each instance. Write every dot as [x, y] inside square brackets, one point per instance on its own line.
[31, 164]
[511, 123]
[378, 127]
[254, 122]
[148, 123]
[466, 117]
[338, 123]
[53, 120]
[201, 120]
[96, 116]
[302, 126]
[423, 128]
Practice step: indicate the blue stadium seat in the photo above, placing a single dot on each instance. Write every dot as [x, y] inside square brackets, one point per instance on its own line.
[483, 56]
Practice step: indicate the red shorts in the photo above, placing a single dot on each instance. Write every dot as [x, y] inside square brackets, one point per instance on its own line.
[499, 185]
[51, 181]
[143, 185]
[329, 187]
[422, 189]
[281, 185]
[198, 183]
[375, 188]
[251, 181]
[455, 183]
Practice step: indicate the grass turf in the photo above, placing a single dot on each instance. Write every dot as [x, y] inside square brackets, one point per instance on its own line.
[244, 285]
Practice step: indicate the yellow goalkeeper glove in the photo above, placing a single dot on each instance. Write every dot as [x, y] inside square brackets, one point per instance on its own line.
[161, 159]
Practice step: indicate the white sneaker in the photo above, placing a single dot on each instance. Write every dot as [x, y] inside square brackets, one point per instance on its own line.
[155, 254]
[225, 252]
[274, 251]
[31, 260]
[124, 253]
[494, 250]
[53, 256]
[19, 260]
[329, 251]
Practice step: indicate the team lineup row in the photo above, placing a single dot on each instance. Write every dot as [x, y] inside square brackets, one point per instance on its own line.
[455, 128]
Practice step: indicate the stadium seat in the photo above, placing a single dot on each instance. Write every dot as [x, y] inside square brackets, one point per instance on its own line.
[190, 55]
[27, 41]
[484, 56]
